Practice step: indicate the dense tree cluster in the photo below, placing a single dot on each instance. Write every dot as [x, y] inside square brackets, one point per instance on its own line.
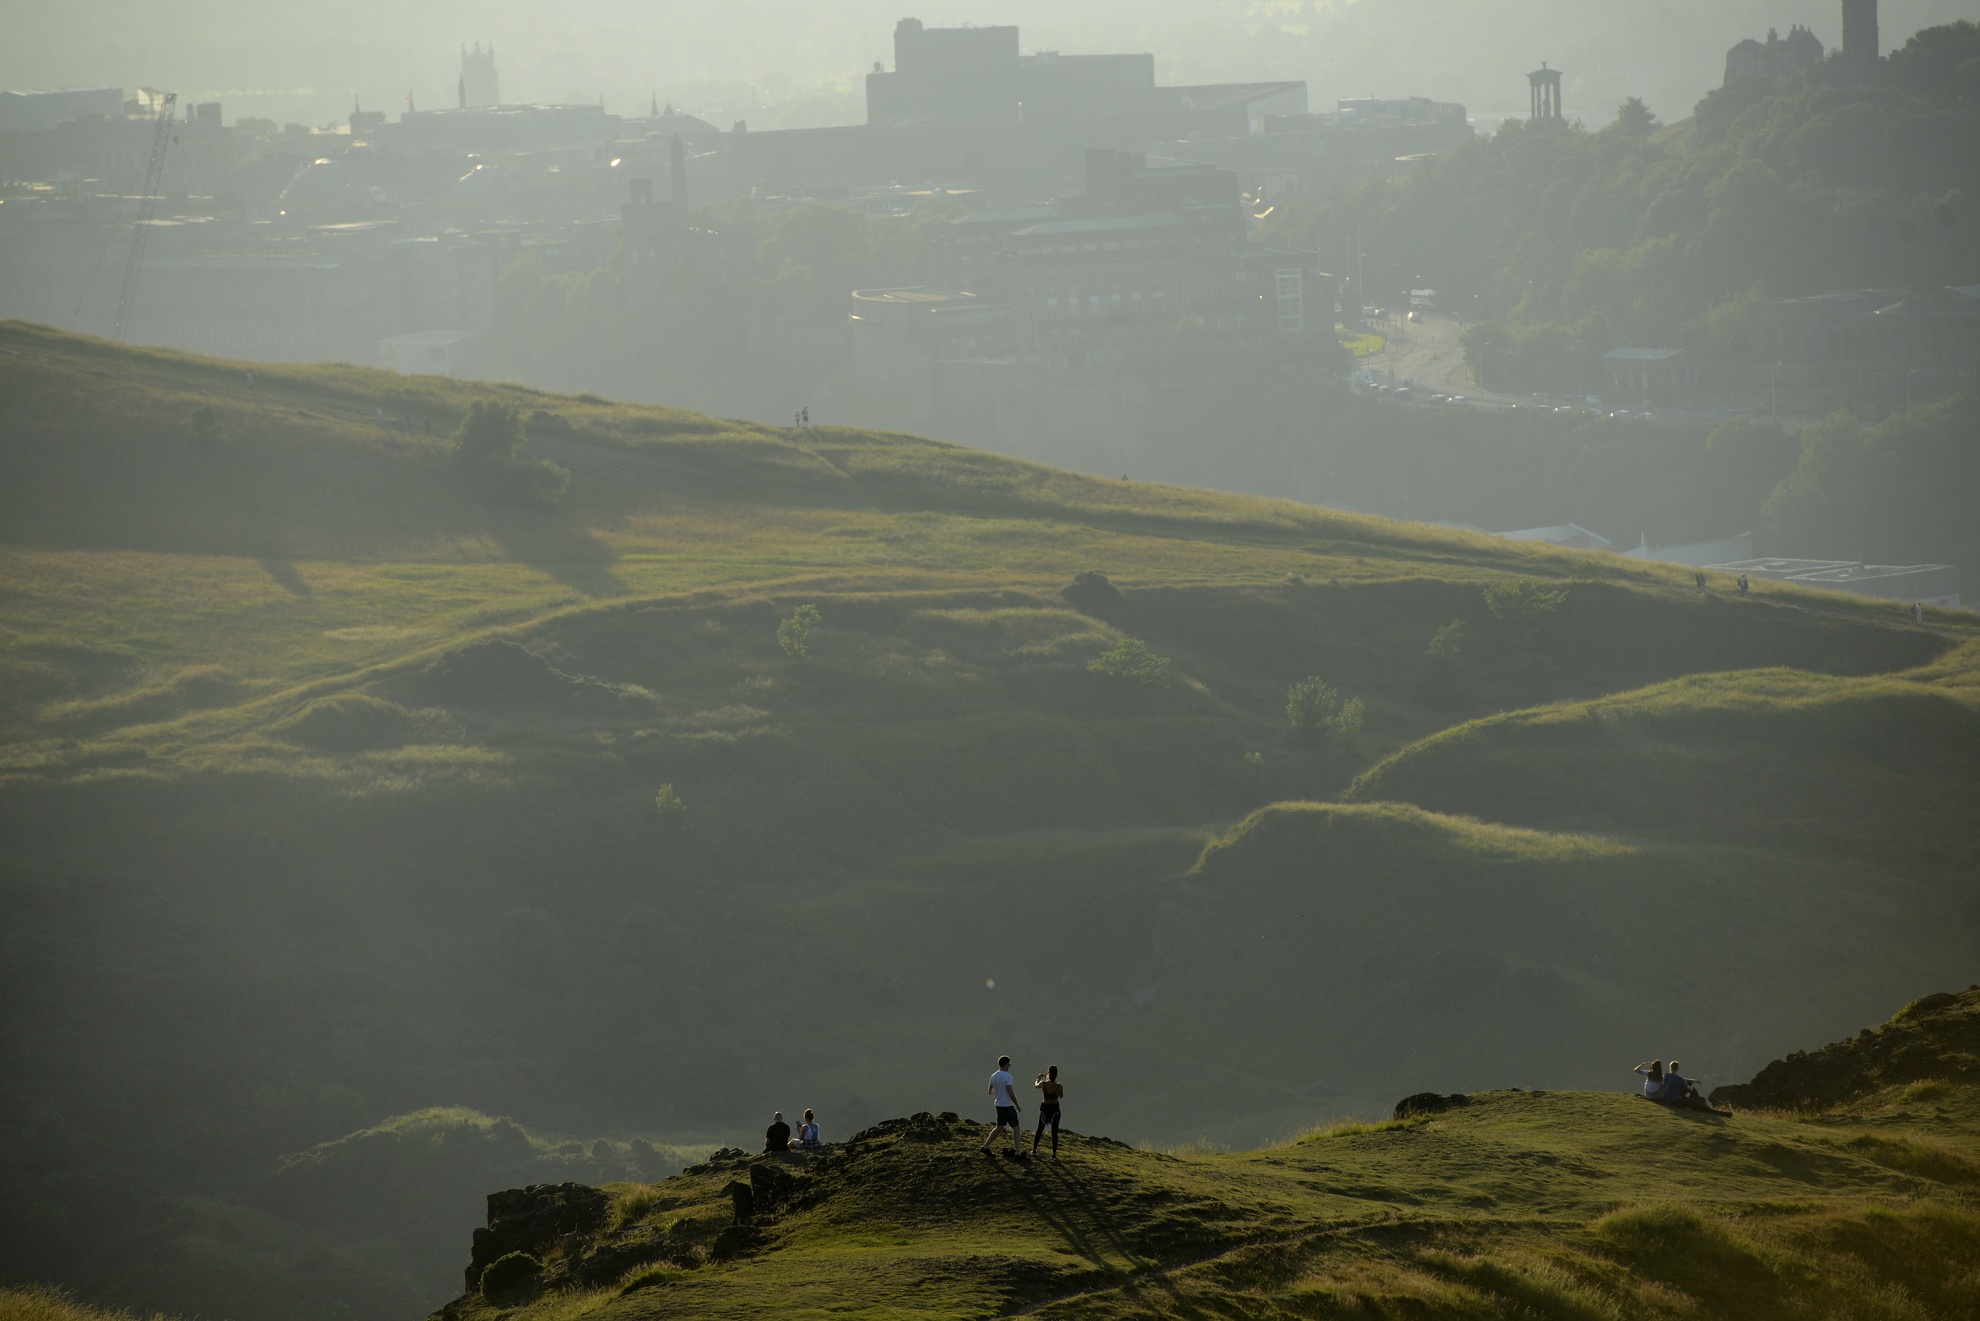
[1566, 242]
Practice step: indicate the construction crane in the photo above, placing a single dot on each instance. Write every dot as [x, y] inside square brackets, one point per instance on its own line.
[154, 168]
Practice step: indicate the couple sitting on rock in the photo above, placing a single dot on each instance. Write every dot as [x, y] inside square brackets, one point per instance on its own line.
[778, 1136]
[1669, 1087]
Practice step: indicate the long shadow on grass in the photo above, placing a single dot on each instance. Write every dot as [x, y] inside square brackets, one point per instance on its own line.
[572, 555]
[285, 575]
[1143, 1275]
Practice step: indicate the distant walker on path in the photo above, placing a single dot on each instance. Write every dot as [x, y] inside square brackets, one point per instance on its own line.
[1003, 1092]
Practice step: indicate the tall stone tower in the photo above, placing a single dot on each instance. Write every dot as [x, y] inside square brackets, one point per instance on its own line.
[1859, 43]
[479, 86]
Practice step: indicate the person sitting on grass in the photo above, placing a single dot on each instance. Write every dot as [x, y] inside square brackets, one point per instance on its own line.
[1653, 1079]
[807, 1134]
[1683, 1094]
[777, 1137]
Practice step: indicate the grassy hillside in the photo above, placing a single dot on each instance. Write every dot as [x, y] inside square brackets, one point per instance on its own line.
[335, 792]
[1506, 1204]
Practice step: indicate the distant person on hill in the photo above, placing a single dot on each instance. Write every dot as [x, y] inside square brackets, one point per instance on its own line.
[1003, 1093]
[1699, 578]
[1742, 584]
[807, 1133]
[1681, 1092]
[1653, 1078]
[1917, 612]
[1050, 1089]
[777, 1137]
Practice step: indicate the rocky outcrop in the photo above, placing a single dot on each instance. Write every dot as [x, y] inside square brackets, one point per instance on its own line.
[1936, 1036]
[530, 1220]
[1429, 1103]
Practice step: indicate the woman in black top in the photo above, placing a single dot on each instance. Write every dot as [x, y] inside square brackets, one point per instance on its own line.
[1050, 1089]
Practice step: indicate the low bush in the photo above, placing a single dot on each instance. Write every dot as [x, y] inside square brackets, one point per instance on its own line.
[509, 1272]
[794, 634]
[1524, 601]
[1130, 663]
[1315, 709]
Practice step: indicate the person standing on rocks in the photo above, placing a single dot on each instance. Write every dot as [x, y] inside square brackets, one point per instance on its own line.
[1003, 1093]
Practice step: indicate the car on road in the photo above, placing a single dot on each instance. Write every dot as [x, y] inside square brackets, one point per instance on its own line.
[1404, 393]
[1458, 401]
[1440, 399]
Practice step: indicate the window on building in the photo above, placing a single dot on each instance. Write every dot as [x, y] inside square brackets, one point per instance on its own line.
[1292, 303]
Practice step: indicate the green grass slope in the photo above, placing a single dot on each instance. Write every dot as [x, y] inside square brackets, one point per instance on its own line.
[334, 792]
[1511, 1204]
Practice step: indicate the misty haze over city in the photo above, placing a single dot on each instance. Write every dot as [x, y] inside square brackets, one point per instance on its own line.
[1305, 658]
[801, 64]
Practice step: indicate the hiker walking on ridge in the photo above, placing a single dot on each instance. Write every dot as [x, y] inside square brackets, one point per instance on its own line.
[1050, 1089]
[1003, 1093]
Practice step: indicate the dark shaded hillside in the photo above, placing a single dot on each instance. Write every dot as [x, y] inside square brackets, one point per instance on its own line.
[538, 812]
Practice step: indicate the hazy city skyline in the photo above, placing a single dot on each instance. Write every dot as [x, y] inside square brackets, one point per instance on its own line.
[800, 65]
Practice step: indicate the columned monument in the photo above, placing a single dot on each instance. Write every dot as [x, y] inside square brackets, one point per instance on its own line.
[1545, 85]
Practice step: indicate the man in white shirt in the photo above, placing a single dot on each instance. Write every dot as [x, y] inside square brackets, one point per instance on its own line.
[1003, 1092]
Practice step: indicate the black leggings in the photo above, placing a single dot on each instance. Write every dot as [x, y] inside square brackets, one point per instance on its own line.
[1047, 1114]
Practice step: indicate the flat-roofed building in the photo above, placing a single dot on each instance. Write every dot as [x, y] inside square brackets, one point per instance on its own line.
[430, 352]
[1929, 584]
[1648, 376]
[39, 112]
[1876, 347]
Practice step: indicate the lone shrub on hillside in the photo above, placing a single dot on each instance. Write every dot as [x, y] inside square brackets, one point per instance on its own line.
[1315, 709]
[1525, 601]
[794, 634]
[508, 1272]
[490, 432]
[1448, 644]
[486, 446]
[668, 803]
[1131, 664]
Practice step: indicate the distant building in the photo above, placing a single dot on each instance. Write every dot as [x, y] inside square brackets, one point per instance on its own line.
[38, 112]
[1040, 308]
[963, 107]
[1780, 57]
[430, 352]
[1875, 347]
[1648, 376]
[480, 87]
[1543, 87]
[1932, 584]
[1570, 536]
[1700, 553]
[1860, 51]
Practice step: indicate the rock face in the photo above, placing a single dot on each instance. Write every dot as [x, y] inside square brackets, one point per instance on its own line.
[1936, 1036]
[1429, 1103]
[530, 1219]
